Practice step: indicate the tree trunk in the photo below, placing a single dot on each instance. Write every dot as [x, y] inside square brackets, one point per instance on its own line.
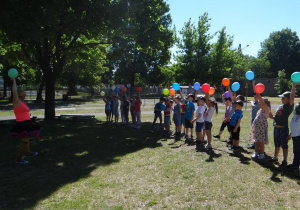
[39, 96]
[50, 97]
[4, 89]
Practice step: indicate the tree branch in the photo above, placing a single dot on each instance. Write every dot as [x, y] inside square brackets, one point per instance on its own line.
[83, 45]
[27, 55]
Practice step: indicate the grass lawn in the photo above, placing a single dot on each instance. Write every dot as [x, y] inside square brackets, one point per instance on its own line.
[106, 166]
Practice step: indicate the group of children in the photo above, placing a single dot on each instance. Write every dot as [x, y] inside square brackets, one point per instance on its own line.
[133, 106]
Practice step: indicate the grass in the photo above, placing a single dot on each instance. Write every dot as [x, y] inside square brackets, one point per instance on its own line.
[106, 166]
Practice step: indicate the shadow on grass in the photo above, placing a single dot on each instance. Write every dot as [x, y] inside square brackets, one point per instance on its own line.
[68, 151]
[210, 152]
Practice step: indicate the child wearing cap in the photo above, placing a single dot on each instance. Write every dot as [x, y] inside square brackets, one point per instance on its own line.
[235, 121]
[281, 129]
[295, 134]
[157, 112]
[189, 114]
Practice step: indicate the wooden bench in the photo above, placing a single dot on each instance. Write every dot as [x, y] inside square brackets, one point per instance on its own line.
[77, 117]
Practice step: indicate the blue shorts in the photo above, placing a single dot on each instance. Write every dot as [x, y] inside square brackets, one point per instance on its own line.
[167, 120]
[280, 137]
[177, 122]
[199, 126]
[188, 123]
[182, 121]
[208, 125]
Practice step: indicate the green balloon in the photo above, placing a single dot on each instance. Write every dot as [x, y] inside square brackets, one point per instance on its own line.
[166, 92]
[12, 73]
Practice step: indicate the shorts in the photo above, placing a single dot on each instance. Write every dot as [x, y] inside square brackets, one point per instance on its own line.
[107, 112]
[225, 124]
[167, 120]
[182, 121]
[116, 113]
[280, 137]
[199, 126]
[208, 125]
[235, 136]
[188, 123]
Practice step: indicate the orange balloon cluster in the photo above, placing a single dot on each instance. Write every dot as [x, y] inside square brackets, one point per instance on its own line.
[225, 82]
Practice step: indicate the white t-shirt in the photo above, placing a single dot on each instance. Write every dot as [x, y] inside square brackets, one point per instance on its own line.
[295, 126]
[210, 113]
[200, 110]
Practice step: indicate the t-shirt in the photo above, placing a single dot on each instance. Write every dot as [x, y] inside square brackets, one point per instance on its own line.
[116, 105]
[210, 113]
[167, 110]
[107, 105]
[227, 112]
[137, 106]
[157, 106]
[236, 115]
[254, 110]
[189, 108]
[200, 110]
[282, 115]
[125, 105]
[182, 109]
[295, 126]
[176, 115]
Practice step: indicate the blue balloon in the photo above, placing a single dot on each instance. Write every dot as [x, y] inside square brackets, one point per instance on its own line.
[295, 77]
[249, 75]
[176, 86]
[196, 86]
[235, 86]
[116, 90]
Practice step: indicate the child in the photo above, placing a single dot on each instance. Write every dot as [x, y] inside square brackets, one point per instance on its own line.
[182, 113]
[177, 116]
[111, 98]
[116, 108]
[200, 118]
[212, 106]
[157, 112]
[226, 121]
[167, 114]
[235, 121]
[259, 128]
[125, 109]
[281, 129]
[295, 134]
[107, 108]
[137, 106]
[189, 113]
[132, 110]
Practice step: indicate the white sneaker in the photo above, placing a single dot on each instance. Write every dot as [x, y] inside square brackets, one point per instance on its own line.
[255, 155]
[208, 146]
[261, 156]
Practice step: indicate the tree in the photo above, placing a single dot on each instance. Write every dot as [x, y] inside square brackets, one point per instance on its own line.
[48, 30]
[282, 50]
[260, 66]
[283, 84]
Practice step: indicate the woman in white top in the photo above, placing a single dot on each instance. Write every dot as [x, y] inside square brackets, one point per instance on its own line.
[212, 106]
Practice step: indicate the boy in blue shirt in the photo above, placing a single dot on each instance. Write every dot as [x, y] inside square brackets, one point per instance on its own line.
[189, 113]
[235, 121]
[157, 112]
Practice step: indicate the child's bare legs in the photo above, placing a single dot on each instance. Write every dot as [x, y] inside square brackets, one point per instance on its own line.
[261, 147]
[199, 136]
[285, 154]
[208, 133]
[187, 132]
[276, 153]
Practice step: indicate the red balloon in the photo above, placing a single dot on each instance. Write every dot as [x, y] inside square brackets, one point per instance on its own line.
[124, 89]
[205, 88]
[259, 88]
[139, 89]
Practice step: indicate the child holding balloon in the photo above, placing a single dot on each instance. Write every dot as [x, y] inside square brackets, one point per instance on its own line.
[212, 106]
[107, 108]
[281, 129]
[167, 115]
[157, 112]
[116, 108]
[235, 121]
[189, 114]
[177, 116]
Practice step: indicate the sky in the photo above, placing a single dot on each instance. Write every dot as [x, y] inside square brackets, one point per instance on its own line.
[249, 21]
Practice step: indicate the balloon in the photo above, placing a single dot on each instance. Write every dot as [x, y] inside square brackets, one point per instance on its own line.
[227, 94]
[211, 91]
[196, 86]
[176, 86]
[121, 86]
[113, 87]
[205, 88]
[259, 88]
[102, 93]
[139, 89]
[172, 92]
[226, 82]
[12, 73]
[249, 75]
[295, 77]
[235, 86]
[116, 90]
[166, 92]
[124, 89]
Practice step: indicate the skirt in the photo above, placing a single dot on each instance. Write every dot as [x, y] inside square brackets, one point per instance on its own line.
[25, 129]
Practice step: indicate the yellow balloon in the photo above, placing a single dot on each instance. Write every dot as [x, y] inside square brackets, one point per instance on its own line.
[102, 93]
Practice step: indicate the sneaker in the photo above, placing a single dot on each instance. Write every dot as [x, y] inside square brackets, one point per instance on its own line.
[255, 155]
[283, 164]
[208, 146]
[251, 146]
[32, 154]
[234, 148]
[192, 138]
[261, 156]
[292, 168]
[21, 161]
[274, 160]
[217, 136]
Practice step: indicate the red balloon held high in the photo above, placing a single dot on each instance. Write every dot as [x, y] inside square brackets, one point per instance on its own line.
[259, 88]
[205, 88]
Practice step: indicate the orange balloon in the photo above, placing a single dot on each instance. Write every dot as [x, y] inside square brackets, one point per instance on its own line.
[211, 91]
[172, 92]
[124, 89]
[226, 82]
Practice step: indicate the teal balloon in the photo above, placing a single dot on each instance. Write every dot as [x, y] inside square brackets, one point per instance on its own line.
[295, 77]
[176, 86]
[12, 73]
[249, 75]
[235, 86]
[196, 86]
